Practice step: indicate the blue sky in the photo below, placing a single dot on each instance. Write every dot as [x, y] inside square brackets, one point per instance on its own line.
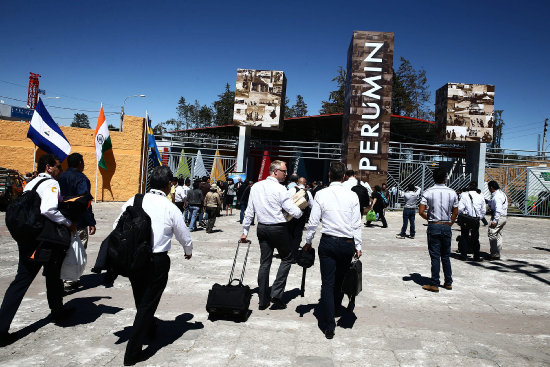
[103, 51]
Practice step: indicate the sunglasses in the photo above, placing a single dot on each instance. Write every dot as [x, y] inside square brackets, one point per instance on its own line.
[282, 170]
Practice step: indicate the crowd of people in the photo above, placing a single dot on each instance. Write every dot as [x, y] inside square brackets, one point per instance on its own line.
[177, 206]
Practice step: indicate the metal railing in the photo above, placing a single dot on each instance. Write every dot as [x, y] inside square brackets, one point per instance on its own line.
[303, 149]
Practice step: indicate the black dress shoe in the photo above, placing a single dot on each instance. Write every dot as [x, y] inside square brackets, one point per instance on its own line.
[278, 304]
[130, 361]
[329, 334]
[263, 307]
[62, 314]
[7, 338]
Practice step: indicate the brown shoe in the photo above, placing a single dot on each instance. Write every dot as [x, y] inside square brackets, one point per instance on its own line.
[448, 286]
[431, 288]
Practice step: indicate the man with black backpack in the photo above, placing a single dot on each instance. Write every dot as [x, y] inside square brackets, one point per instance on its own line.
[149, 282]
[46, 203]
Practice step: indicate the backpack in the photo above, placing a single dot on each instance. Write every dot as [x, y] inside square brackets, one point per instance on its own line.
[129, 244]
[23, 217]
[386, 202]
[362, 194]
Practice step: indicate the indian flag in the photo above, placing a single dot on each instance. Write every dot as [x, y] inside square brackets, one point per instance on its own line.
[102, 139]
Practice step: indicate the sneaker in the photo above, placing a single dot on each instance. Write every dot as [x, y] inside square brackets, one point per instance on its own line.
[401, 236]
[431, 288]
[448, 286]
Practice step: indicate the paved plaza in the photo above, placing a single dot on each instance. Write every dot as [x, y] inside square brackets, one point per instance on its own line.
[498, 313]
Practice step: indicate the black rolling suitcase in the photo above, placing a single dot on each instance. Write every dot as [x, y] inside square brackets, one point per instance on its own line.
[231, 300]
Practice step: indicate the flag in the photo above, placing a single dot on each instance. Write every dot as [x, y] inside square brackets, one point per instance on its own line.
[264, 169]
[102, 139]
[151, 143]
[45, 134]
[199, 169]
[217, 173]
[183, 167]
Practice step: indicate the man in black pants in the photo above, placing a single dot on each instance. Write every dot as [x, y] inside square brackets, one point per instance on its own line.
[338, 209]
[50, 169]
[149, 284]
[473, 204]
[378, 206]
[267, 199]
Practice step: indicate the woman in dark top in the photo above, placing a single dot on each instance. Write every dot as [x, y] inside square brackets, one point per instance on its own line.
[378, 206]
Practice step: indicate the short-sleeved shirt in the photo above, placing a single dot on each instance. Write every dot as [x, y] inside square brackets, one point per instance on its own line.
[440, 201]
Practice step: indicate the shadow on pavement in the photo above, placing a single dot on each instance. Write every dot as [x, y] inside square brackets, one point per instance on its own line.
[541, 248]
[418, 279]
[167, 333]
[290, 295]
[515, 266]
[86, 311]
[87, 281]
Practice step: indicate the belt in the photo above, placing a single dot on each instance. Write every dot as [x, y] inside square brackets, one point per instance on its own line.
[336, 238]
[160, 253]
[274, 224]
[446, 223]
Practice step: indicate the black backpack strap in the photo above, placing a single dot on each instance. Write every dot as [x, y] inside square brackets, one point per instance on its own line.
[138, 200]
[38, 184]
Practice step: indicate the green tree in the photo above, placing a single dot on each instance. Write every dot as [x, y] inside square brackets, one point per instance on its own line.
[160, 128]
[411, 95]
[289, 112]
[183, 116]
[206, 116]
[81, 120]
[335, 103]
[300, 107]
[224, 106]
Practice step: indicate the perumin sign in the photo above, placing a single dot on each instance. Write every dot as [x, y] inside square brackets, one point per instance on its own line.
[367, 111]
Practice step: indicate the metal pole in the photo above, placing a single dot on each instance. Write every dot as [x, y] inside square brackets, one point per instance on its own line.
[423, 175]
[544, 138]
[525, 206]
[96, 175]
[34, 161]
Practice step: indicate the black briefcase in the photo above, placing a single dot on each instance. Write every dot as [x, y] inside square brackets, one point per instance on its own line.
[353, 281]
[231, 300]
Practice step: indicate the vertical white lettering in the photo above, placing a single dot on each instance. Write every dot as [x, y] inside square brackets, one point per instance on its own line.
[373, 116]
[367, 130]
[364, 147]
[364, 165]
[377, 46]
[375, 87]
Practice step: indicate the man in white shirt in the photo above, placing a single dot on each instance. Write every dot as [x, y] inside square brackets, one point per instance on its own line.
[148, 286]
[350, 180]
[499, 209]
[473, 204]
[337, 208]
[268, 199]
[181, 193]
[439, 206]
[48, 190]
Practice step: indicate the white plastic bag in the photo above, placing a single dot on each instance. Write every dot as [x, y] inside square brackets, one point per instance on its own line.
[75, 260]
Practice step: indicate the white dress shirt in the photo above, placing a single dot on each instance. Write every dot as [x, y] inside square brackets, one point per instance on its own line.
[166, 221]
[499, 205]
[474, 206]
[268, 199]
[181, 193]
[294, 190]
[49, 195]
[338, 209]
[440, 201]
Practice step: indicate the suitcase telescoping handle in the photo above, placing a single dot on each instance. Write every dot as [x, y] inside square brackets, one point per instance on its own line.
[235, 261]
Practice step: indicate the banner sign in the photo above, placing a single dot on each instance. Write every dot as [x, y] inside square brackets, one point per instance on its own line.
[367, 111]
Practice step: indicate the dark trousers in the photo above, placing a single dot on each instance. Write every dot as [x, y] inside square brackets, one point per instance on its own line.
[335, 256]
[180, 205]
[469, 234]
[26, 272]
[296, 229]
[212, 212]
[271, 238]
[439, 247]
[147, 287]
[408, 216]
[381, 217]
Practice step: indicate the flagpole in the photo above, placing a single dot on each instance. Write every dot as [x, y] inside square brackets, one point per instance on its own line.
[145, 133]
[34, 161]
[96, 176]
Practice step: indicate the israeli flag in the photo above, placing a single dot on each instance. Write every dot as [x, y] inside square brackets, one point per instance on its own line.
[45, 133]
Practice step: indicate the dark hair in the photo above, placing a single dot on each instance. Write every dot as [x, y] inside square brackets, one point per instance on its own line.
[439, 176]
[181, 181]
[493, 185]
[187, 181]
[204, 178]
[195, 185]
[294, 177]
[350, 172]
[161, 177]
[410, 187]
[337, 171]
[377, 188]
[46, 160]
[74, 159]
[472, 186]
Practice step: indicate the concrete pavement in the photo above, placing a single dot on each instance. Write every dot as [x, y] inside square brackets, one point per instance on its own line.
[498, 313]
